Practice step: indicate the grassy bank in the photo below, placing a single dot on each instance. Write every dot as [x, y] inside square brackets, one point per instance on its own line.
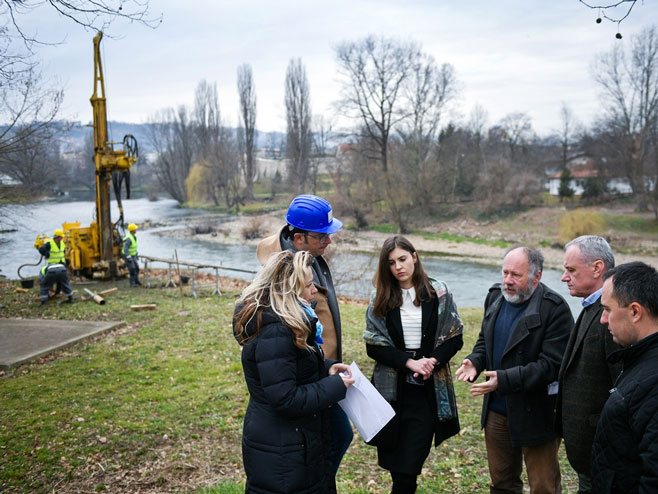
[157, 406]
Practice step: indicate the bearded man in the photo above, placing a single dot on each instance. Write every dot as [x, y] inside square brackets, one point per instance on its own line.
[524, 333]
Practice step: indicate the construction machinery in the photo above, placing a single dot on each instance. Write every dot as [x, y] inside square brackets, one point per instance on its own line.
[95, 250]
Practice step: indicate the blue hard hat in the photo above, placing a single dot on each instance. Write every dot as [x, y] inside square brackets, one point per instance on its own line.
[312, 214]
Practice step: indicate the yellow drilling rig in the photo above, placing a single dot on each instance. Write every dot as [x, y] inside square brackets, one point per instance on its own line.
[95, 250]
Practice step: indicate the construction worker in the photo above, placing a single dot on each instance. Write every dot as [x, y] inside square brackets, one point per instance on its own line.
[129, 252]
[55, 270]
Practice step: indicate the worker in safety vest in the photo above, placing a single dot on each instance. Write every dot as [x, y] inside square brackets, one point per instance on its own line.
[55, 270]
[129, 252]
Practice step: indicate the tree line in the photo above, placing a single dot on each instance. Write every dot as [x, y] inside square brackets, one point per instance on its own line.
[399, 150]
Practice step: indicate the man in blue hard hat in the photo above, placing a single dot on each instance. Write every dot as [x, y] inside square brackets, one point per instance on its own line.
[309, 226]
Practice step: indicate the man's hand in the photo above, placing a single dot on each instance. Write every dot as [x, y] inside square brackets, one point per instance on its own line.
[486, 386]
[467, 372]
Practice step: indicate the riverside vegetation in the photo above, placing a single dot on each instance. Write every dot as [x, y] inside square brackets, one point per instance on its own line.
[157, 405]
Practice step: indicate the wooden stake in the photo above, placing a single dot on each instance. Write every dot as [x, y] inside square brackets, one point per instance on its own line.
[180, 282]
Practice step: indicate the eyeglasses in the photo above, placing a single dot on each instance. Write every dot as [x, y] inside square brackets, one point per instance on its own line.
[323, 238]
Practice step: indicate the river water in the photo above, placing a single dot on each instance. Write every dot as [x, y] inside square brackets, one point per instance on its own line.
[469, 282]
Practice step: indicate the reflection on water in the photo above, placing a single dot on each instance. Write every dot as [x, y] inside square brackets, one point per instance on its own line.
[352, 271]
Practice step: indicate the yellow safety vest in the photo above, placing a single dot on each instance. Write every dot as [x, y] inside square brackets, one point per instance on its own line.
[56, 255]
[132, 251]
[57, 252]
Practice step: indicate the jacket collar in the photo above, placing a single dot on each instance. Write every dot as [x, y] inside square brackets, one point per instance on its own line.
[634, 351]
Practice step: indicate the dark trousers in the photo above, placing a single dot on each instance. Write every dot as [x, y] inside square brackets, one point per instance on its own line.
[505, 461]
[133, 269]
[341, 435]
[584, 484]
[57, 275]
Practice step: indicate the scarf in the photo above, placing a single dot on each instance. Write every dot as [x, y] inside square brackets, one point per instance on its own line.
[385, 378]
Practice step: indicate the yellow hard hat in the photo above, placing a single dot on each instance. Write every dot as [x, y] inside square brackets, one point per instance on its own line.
[132, 227]
[58, 233]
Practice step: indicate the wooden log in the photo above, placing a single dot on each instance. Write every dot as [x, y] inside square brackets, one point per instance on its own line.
[139, 308]
[18, 289]
[108, 292]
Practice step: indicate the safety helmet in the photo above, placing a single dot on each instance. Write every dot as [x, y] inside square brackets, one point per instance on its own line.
[312, 214]
[58, 233]
[132, 227]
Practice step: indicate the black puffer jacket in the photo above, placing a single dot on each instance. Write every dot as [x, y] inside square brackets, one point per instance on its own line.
[286, 429]
[625, 451]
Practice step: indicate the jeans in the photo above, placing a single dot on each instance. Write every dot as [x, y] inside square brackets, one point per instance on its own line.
[341, 435]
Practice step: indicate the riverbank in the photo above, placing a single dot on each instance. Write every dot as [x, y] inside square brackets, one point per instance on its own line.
[463, 239]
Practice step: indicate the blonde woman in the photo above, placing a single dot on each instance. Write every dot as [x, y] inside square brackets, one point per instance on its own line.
[291, 385]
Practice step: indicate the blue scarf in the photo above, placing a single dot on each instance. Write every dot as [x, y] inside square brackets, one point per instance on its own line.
[318, 325]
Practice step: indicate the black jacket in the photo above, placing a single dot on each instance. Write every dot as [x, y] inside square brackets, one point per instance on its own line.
[530, 362]
[286, 429]
[625, 450]
[396, 357]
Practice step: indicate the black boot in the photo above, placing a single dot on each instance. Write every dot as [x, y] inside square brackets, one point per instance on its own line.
[403, 483]
[69, 300]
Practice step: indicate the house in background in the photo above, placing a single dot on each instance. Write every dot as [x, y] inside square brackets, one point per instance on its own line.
[582, 170]
[7, 180]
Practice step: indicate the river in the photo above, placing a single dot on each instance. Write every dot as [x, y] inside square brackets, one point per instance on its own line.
[469, 282]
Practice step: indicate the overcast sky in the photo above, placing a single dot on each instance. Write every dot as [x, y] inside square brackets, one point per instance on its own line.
[509, 56]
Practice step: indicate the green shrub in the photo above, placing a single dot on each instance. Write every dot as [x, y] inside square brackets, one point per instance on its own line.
[579, 222]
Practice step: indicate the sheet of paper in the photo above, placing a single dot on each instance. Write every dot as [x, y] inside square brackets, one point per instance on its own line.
[366, 408]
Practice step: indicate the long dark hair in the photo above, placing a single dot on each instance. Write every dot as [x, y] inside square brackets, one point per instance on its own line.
[389, 295]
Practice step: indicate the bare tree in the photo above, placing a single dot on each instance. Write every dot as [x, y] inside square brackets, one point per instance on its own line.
[298, 125]
[36, 162]
[95, 15]
[206, 117]
[374, 71]
[28, 109]
[566, 132]
[428, 89]
[172, 136]
[477, 124]
[518, 130]
[322, 129]
[247, 95]
[629, 92]
[217, 148]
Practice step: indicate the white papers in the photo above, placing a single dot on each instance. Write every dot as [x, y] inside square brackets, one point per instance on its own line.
[366, 408]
